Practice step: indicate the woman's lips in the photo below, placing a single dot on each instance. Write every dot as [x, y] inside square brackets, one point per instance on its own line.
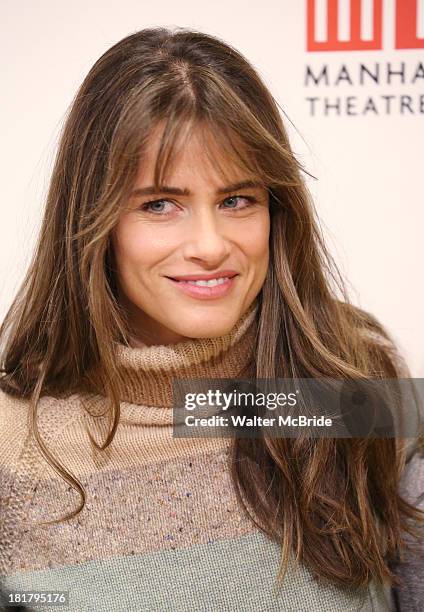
[205, 293]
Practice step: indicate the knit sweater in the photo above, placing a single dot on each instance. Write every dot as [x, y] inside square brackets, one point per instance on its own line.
[162, 528]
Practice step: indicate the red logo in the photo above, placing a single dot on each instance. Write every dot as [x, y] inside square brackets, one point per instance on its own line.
[407, 25]
[407, 17]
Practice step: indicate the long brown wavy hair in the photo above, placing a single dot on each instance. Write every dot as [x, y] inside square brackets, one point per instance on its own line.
[332, 502]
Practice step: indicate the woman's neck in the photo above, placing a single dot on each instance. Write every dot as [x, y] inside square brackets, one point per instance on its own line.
[147, 373]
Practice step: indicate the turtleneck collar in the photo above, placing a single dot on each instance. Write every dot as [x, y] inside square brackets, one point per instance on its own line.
[148, 372]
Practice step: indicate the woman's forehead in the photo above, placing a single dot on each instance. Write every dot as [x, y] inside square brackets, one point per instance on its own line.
[193, 150]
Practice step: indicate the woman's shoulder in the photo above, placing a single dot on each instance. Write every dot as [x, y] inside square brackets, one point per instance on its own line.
[412, 480]
[410, 594]
[13, 427]
[17, 407]
[53, 414]
[11, 404]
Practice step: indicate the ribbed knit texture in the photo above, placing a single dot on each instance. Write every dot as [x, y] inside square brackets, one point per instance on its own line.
[162, 528]
[149, 372]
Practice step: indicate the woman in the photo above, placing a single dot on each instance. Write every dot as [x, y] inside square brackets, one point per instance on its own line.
[174, 170]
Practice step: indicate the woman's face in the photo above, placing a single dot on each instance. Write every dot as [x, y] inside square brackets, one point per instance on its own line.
[199, 226]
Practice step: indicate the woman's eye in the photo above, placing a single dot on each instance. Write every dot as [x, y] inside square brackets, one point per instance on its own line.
[156, 207]
[237, 202]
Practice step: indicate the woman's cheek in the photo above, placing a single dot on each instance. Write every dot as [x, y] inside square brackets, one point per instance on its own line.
[256, 236]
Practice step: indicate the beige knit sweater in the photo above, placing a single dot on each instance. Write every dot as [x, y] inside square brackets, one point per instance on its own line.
[161, 528]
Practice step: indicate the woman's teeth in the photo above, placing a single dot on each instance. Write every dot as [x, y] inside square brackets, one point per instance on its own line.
[208, 283]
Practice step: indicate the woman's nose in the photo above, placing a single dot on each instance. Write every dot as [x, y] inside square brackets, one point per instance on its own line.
[204, 239]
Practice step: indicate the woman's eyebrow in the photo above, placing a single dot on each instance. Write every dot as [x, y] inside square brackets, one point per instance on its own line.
[186, 192]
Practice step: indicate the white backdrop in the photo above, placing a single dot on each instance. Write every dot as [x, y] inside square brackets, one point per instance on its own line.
[367, 156]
